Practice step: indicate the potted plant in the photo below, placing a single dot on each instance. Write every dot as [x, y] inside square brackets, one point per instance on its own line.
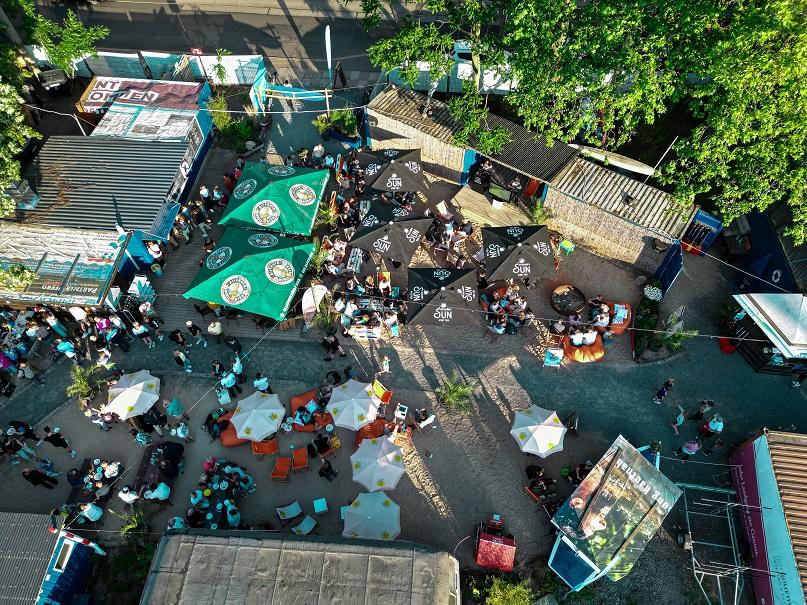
[85, 383]
[454, 394]
[323, 125]
[345, 122]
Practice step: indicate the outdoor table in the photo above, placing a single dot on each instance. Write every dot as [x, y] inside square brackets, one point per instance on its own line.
[568, 300]
[148, 472]
[218, 496]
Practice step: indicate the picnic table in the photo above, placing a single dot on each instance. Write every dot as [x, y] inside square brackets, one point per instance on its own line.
[220, 493]
[149, 472]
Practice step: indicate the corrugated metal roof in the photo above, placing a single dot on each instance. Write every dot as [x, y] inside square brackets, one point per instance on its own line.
[623, 196]
[526, 152]
[96, 182]
[26, 547]
[789, 458]
[207, 568]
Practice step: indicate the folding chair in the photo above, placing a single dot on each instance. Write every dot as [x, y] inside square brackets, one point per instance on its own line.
[427, 426]
[299, 459]
[281, 470]
[304, 527]
[265, 448]
[289, 512]
[441, 210]
[534, 498]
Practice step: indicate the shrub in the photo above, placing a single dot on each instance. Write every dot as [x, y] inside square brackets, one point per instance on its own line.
[454, 394]
[504, 592]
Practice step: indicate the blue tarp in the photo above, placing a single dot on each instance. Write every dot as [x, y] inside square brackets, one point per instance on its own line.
[263, 91]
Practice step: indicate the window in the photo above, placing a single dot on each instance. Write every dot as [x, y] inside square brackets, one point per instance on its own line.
[64, 556]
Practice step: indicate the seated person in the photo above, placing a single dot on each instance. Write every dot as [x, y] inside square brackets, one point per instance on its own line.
[575, 320]
[494, 307]
[589, 336]
[91, 511]
[534, 471]
[159, 492]
[576, 336]
[390, 319]
[199, 500]
[353, 286]
[598, 306]
[421, 415]
[517, 304]
[601, 320]
[322, 443]
[169, 468]
[361, 318]
[369, 286]
[384, 287]
[558, 326]
[233, 517]
[540, 485]
[499, 324]
[302, 416]
[580, 472]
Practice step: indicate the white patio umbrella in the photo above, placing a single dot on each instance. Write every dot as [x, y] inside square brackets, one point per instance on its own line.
[353, 405]
[373, 516]
[133, 394]
[258, 416]
[377, 464]
[538, 431]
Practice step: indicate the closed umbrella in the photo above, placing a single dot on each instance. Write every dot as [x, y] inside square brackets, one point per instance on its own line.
[373, 516]
[538, 431]
[353, 404]
[133, 394]
[258, 416]
[377, 464]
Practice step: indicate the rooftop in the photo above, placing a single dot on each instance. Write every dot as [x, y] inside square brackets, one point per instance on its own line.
[97, 182]
[623, 196]
[102, 91]
[197, 568]
[526, 152]
[26, 547]
[145, 122]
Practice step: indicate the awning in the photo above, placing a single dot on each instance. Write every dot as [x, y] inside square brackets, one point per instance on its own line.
[251, 270]
[277, 198]
[783, 319]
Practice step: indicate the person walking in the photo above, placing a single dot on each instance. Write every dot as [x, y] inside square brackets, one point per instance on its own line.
[679, 420]
[331, 345]
[35, 477]
[142, 332]
[175, 410]
[46, 466]
[234, 344]
[197, 333]
[689, 448]
[215, 329]
[261, 383]
[664, 390]
[56, 439]
[179, 338]
[182, 360]
[238, 370]
[27, 372]
[230, 382]
[704, 408]
[68, 349]
[384, 366]
[157, 419]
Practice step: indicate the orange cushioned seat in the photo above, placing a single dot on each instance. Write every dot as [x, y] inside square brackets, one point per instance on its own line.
[228, 436]
[320, 420]
[585, 353]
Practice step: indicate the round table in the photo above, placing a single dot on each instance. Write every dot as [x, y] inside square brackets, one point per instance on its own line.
[568, 300]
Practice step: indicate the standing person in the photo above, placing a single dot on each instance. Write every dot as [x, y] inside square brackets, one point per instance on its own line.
[689, 448]
[214, 329]
[56, 439]
[713, 427]
[229, 382]
[157, 419]
[261, 383]
[155, 325]
[664, 390]
[238, 370]
[140, 438]
[69, 350]
[197, 333]
[798, 379]
[35, 477]
[679, 420]
[23, 430]
[147, 311]
[384, 366]
[142, 332]
[331, 345]
[704, 408]
[55, 324]
[27, 372]
[175, 410]
[178, 337]
[327, 472]
[204, 193]
[218, 369]
[182, 360]
[156, 253]
[234, 344]
[128, 496]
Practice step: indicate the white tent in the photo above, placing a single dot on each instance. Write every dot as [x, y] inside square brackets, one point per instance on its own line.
[378, 464]
[133, 394]
[353, 404]
[373, 516]
[258, 416]
[538, 431]
[783, 319]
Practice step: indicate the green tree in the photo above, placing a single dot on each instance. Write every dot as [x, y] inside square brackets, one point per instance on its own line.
[470, 111]
[70, 41]
[14, 133]
[750, 150]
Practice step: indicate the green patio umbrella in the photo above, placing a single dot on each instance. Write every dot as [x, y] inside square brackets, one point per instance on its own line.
[252, 270]
[277, 198]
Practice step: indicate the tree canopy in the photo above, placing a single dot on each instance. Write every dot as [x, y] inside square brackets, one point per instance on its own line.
[595, 70]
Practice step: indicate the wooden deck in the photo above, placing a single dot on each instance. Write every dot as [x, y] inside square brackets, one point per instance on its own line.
[476, 208]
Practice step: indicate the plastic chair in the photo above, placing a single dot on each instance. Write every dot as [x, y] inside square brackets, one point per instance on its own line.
[289, 512]
[553, 358]
[281, 470]
[265, 448]
[566, 247]
[304, 527]
[299, 459]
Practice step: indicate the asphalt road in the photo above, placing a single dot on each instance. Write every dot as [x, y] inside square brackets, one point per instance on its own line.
[284, 30]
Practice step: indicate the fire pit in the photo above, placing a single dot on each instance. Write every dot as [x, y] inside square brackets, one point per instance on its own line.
[568, 300]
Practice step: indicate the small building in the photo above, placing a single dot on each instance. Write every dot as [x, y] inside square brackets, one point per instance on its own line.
[110, 184]
[40, 564]
[614, 215]
[71, 266]
[196, 567]
[768, 474]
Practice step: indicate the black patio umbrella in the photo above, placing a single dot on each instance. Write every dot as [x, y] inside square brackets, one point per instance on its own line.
[442, 297]
[393, 169]
[521, 251]
[392, 231]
